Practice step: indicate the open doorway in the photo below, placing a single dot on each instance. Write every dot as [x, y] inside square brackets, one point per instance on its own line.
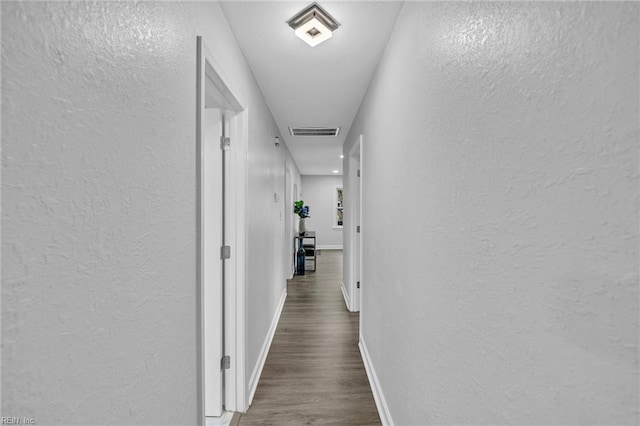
[221, 197]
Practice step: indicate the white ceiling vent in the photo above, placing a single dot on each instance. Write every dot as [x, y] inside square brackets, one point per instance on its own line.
[314, 131]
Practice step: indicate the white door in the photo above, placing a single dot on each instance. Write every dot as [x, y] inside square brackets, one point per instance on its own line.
[221, 229]
[212, 239]
[288, 226]
[355, 183]
[358, 236]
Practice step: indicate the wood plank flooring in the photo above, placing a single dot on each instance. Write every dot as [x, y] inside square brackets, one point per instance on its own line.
[314, 373]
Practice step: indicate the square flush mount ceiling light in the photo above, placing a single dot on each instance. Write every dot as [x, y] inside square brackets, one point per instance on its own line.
[313, 25]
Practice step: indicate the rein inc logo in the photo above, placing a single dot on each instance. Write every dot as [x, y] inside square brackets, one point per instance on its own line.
[17, 421]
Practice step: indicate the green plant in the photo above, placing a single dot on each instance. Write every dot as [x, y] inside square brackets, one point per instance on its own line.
[300, 209]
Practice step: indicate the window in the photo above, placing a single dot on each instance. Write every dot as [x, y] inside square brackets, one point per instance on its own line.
[337, 197]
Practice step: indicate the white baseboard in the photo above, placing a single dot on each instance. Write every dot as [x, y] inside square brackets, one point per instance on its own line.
[378, 396]
[346, 298]
[329, 247]
[257, 371]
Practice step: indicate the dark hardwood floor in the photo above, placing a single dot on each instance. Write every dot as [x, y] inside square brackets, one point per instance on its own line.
[314, 373]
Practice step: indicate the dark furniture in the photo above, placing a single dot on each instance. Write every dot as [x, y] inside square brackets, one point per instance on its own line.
[308, 242]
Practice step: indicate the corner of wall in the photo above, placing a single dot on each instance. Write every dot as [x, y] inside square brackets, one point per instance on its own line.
[376, 387]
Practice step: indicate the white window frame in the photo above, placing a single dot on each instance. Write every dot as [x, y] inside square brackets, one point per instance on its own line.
[337, 206]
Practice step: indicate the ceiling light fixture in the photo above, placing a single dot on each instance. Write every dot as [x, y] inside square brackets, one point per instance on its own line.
[313, 25]
[341, 156]
[336, 171]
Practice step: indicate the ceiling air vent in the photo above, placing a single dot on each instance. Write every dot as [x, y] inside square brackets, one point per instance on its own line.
[314, 131]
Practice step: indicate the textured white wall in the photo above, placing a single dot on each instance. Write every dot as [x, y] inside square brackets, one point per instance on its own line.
[504, 136]
[317, 192]
[98, 218]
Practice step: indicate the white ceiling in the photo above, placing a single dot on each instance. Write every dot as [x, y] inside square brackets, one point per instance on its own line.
[318, 86]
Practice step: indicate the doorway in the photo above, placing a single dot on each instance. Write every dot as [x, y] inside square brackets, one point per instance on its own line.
[221, 197]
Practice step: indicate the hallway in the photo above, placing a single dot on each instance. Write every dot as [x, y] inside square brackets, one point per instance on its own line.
[476, 163]
[314, 372]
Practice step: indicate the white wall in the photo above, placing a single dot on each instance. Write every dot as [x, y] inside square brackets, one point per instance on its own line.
[317, 192]
[503, 137]
[99, 209]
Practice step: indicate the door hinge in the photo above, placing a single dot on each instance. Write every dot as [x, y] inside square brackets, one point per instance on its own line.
[358, 283]
[225, 143]
[225, 252]
[225, 363]
[358, 173]
[358, 229]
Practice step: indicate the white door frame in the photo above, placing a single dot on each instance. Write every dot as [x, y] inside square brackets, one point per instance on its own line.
[288, 221]
[355, 218]
[209, 76]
